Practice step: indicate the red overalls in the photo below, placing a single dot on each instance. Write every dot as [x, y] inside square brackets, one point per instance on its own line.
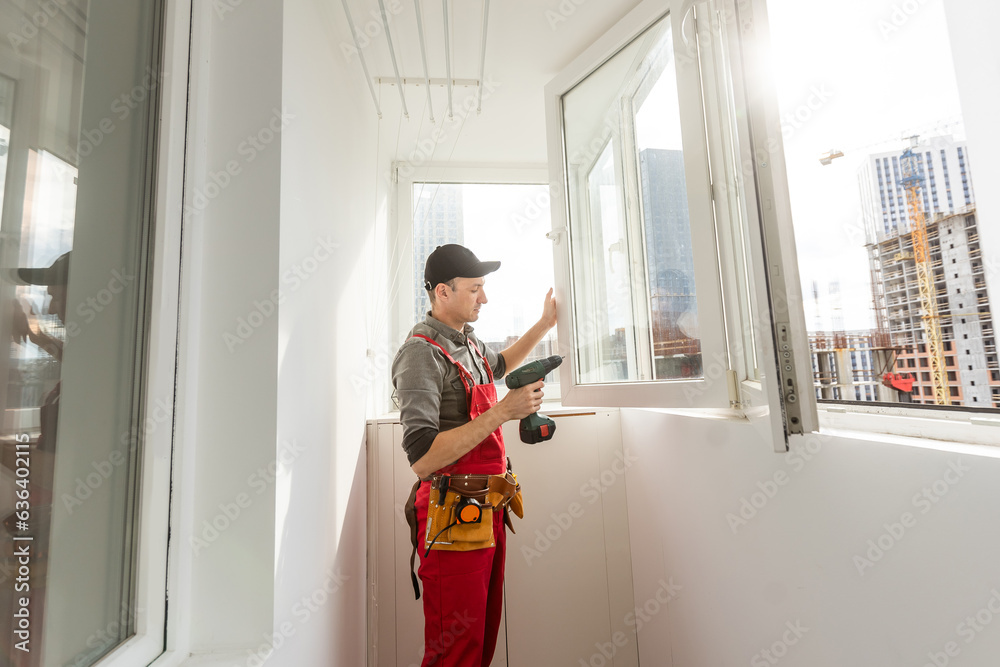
[463, 590]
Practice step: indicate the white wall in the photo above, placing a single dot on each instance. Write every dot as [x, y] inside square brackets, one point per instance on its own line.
[329, 208]
[226, 395]
[280, 264]
[794, 559]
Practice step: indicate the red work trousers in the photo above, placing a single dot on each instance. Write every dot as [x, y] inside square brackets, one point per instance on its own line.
[463, 596]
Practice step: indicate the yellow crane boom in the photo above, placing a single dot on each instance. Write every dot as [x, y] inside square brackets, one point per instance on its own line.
[912, 182]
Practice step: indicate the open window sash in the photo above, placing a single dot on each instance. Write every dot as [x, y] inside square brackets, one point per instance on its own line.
[711, 345]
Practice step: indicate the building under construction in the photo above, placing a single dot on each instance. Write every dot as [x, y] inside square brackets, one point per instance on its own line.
[850, 365]
[950, 310]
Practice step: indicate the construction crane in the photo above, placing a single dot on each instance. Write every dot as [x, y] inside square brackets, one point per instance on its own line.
[912, 182]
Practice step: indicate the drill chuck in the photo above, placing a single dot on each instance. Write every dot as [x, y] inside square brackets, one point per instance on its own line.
[532, 371]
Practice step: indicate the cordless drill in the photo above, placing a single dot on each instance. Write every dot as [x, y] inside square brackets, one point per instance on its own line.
[535, 427]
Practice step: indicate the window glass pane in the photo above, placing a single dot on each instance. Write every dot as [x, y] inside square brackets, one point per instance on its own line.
[669, 255]
[608, 362]
[631, 254]
[497, 221]
[883, 202]
[76, 84]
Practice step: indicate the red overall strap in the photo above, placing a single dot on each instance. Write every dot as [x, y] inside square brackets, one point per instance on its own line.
[463, 372]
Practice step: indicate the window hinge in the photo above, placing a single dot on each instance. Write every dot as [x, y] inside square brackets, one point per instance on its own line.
[734, 389]
[786, 373]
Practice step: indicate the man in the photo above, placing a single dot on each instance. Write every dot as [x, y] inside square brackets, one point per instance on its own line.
[452, 422]
[54, 277]
[42, 459]
[25, 326]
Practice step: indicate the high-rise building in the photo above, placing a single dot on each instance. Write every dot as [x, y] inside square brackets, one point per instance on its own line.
[971, 372]
[437, 220]
[944, 164]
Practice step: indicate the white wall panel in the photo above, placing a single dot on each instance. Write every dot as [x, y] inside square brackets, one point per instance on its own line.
[756, 540]
[331, 203]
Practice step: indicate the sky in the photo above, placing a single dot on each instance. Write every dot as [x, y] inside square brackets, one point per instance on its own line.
[508, 223]
[873, 74]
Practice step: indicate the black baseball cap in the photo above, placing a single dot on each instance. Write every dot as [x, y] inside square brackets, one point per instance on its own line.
[454, 261]
[56, 273]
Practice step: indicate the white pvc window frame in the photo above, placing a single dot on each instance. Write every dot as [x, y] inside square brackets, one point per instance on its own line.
[401, 231]
[712, 391]
[154, 521]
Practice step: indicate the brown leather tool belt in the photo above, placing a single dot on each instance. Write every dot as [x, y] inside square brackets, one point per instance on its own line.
[496, 490]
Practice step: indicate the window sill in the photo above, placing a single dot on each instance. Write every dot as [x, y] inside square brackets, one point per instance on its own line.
[948, 430]
[922, 442]
[724, 414]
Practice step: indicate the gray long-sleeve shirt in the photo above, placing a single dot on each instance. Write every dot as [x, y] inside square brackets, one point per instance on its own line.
[429, 388]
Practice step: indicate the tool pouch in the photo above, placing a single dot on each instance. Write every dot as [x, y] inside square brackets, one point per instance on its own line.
[446, 534]
[516, 504]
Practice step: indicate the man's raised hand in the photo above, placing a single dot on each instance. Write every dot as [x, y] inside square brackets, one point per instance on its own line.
[549, 310]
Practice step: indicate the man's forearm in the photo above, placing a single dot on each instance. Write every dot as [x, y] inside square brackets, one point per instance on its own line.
[522, 347]
[449, 446]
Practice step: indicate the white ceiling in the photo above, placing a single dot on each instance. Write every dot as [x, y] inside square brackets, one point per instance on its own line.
[528, 42]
